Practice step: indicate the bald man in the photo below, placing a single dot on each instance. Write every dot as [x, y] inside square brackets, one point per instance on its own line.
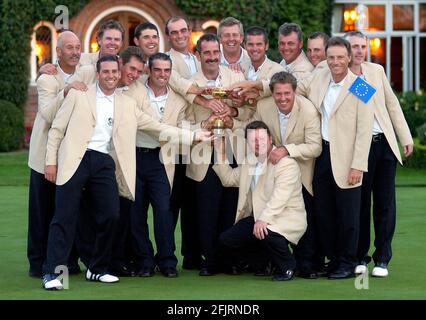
[52, 89]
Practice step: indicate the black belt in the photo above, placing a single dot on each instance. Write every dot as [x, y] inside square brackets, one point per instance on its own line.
[145, 150]
[378, 137]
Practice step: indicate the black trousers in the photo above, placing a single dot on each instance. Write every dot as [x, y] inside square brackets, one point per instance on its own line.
[96, 173]
[216, 208]
[338, 215]
[41, 208]
[241, 241]
[379, 180]
[308, 252]
[152, 187]
[182, 200]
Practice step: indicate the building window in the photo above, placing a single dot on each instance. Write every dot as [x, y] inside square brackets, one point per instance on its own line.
[423, 63]
[403, 17]
[422, 17]
[378, 51]
[349, 17]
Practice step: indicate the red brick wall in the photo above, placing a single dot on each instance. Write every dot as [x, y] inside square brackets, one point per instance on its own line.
[30, 112]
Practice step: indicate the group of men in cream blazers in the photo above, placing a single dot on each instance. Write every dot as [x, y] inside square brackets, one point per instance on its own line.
[138, 128]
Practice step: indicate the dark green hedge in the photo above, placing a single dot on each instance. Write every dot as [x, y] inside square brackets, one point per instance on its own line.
[17, 19]
[11, 126]
[312, 15]
[414, 106]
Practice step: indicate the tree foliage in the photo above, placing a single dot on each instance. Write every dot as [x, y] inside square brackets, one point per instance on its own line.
[17, 19]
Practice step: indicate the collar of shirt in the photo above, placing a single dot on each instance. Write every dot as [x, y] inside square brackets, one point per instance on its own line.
[101, 95]
[152, 96]
[284, 116]
[64, 75]
[337, 84]
[225, 62]
[252, 73]
[216, 82]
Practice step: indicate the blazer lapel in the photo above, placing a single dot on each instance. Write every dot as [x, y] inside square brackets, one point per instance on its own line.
[118, 110]
[323, 90]
[60, 79]
[91, 99]
[169, 107]
[276, 125]
[343, 92]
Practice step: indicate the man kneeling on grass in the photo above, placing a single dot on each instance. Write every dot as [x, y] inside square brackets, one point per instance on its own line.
[271, 212]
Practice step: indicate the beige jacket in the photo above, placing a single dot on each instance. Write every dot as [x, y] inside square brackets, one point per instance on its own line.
[174, 114]
[50, 96]
[199, 164]
[387, 109]
[89, 58]
[277, 198]
[349, 128]
[301, 67]
[73, 128]
[303, 133]
[266, 72]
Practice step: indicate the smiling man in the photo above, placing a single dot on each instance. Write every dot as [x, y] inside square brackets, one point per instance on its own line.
[316, 47]
[346, 127]
[231, 35]
[89, 130]
[290, 44]
[146, 38]
[379, 181]
[261, 68]
[270, 213]
[295, 128]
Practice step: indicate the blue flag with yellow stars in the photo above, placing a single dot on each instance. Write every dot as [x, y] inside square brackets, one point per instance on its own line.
[362, 90]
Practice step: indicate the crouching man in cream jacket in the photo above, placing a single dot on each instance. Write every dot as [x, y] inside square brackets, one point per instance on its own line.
[271, 212]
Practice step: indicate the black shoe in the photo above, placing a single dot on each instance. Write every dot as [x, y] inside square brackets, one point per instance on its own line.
[341, 274]
[189, 264]
[307, 274]
[204, 272]
[74, 269]
[264, 272]
[233, 271]
[170, 272]
[286, 276]
[122, 271]
[146, 272]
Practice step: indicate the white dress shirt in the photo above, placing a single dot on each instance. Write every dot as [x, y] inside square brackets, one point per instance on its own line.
[254, 74]
[101, 138]
[327, 105]
[190, 61]
[225, 62]
[283, 124]
[65, 76]
[158, 105]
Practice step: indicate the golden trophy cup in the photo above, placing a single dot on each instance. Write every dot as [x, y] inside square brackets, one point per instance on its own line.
[218, 128]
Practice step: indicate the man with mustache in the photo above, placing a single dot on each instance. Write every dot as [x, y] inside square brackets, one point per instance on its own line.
[384, 155]
[89, 131]
[52, 89]
[215, 204]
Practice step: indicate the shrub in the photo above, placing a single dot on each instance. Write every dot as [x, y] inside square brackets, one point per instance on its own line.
[418, 158]
[11, 126]
[414, 107]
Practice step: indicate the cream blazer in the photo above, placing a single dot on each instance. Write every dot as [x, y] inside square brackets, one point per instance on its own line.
[349, 128]
[303, 133]
[50, 96]
[72, 130]
[201, 153]
[387, 109]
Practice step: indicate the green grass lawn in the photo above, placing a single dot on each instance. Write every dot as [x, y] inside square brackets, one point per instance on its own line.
[407, 279]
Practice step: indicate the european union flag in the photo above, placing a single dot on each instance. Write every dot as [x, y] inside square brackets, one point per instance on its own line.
[362, 90]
